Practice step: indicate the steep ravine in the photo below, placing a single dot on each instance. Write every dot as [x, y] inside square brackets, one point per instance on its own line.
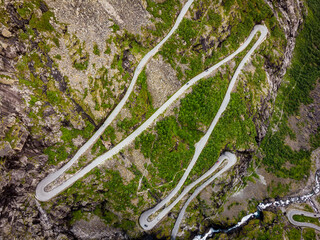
[265, 205]
[22, 165]
[289, 14]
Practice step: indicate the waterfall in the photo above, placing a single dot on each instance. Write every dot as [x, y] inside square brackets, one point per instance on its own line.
[262, 206]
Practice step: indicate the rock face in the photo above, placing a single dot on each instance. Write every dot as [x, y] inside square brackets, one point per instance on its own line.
[13, 133]
[162, 81]
[289, 14]
[306, 124]
[16, 139]
[129, 14]
[29, 124]
[20, 154]
[87, 18]
[10, 49]
[94, 228]
[6, 33]
[23, 141]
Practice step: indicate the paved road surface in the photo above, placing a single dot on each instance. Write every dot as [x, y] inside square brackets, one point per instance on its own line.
[41, 194]
[227, 157]
[147, 224]
[293, 212]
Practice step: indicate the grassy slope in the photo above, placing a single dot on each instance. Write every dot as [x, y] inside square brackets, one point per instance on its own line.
[166, 153]
[301, 79]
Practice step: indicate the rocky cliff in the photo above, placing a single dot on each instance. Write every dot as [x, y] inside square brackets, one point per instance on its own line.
[64, 65]
[289, 14]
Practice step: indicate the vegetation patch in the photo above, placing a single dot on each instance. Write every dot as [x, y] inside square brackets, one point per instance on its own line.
[301, 79]
[302, 218]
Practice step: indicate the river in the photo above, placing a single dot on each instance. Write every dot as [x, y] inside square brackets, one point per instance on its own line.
[263, 206]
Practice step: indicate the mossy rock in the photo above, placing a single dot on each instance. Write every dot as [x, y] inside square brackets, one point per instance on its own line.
[268, 217]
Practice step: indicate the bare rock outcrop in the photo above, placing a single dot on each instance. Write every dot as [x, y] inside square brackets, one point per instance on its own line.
[129, 14]
[94, 228]
[289, 14]
[162, 81]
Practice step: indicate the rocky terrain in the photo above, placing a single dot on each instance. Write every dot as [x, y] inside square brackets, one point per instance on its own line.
[291, 12]
[64, 65]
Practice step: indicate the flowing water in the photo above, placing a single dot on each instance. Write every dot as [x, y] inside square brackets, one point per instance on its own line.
[262, 206]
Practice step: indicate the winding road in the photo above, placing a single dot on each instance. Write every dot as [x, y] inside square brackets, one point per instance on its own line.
[147, 224]
[43, 195]
[225, 162]
[293, 212]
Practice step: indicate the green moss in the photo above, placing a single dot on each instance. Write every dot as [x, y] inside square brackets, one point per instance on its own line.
[187, 30]
[126, 225]
[42, 23]
[96, 50]
[109, 133]
[54, 97]
[214, 18]
[261, 231]
[301, 78]
[140, 106]
[308, 234]
[301, 218]
[33, 100]
[22, 64]
[268, 217]
[120, 194]
[56, 155]
[294, 234]
[56, 41]
[278, 189]
[166, 11]
[26, 10]
[227, 4]
[305, 66]
[115, 28]
[308, 208]
[58, 152]
[58, 56]
[44, 47]
[108, 50]
[23, 35]
[76, 216]
[81, 65]
[13, 135]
